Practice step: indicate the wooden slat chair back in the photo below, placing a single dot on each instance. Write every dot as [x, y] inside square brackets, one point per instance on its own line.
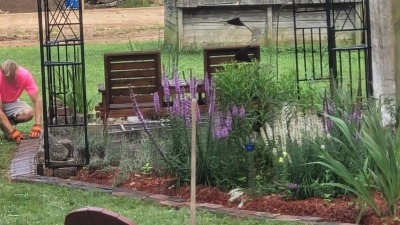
[141, 71]
[215, 57]
[95, 216]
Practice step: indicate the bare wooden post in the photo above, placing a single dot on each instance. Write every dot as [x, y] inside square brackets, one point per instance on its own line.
[382, 35]
[193, 166]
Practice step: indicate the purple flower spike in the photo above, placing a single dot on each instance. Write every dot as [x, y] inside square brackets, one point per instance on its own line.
[177, 105]
[143, 122]
[211, 105]
[165, 85]
[234, 111]
[156, 99]
[224, 132]
[207, 85]
[176, 81]
[188, 110]
[356, 115]
[193, 87]
[138, 113]
[242, 112]
[228, 121]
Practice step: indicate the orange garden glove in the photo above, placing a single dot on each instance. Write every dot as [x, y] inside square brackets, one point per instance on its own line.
[17, 136]
[35, 132]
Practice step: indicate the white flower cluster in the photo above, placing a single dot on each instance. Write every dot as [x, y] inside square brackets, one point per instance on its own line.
[293, 125]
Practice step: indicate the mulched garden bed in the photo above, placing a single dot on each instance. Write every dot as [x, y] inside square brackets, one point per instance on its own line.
[343, 209]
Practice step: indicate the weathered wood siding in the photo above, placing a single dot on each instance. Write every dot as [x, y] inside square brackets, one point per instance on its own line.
[207, 25]
[171, 22]
[202, 26]
[199, 3]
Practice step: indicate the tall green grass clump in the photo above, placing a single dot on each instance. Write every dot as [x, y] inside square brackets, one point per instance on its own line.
[373, 167]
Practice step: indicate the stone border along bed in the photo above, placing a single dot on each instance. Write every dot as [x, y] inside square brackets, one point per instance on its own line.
[24, 169]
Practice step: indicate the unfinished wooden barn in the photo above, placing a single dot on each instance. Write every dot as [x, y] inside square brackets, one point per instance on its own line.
[203, 22]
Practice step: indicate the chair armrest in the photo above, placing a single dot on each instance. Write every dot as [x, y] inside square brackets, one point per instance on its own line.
[101, 88]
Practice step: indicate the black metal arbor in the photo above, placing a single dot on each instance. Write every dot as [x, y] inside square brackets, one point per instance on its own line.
[63, 83]
[333, 40]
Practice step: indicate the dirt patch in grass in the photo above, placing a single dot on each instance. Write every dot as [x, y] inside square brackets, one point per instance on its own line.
[108, 25]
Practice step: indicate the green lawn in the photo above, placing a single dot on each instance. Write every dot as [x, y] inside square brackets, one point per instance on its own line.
[22, 204]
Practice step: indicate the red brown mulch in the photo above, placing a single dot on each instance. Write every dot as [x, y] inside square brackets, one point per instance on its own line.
[343, 209]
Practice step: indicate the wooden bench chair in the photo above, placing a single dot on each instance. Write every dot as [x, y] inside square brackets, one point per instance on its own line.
[95, 216]
[215, 57]
[140, 70]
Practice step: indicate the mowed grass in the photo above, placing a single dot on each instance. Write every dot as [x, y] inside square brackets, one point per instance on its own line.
[22, 204]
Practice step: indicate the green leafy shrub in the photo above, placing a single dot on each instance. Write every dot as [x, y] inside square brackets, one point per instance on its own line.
[254, 86]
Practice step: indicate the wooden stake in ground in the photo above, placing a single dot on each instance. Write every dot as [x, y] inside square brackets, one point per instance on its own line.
[193, 166]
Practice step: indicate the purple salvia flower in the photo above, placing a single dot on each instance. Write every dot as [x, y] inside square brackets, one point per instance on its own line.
[234, 111]
[176, 81]
[156, 99]
[242, 112]
[192, 86]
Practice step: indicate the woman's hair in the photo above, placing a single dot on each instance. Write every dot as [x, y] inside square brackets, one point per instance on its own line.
[9, 68]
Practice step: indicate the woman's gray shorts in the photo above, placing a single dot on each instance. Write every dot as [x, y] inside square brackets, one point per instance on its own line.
[13, 108]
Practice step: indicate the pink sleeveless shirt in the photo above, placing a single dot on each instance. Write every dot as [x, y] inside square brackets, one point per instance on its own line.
[10, 92]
